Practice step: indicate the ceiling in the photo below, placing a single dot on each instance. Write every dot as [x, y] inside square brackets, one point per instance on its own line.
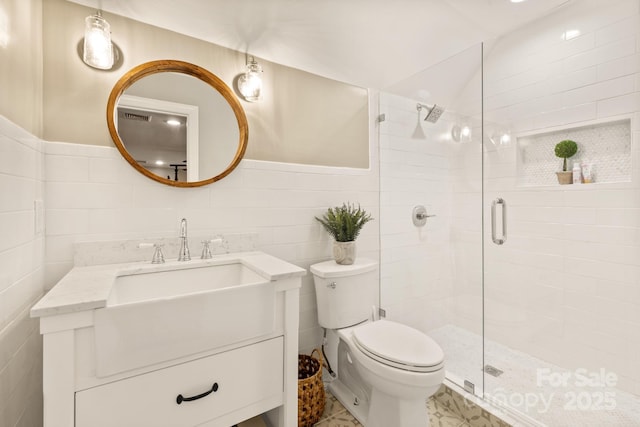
[368, 43]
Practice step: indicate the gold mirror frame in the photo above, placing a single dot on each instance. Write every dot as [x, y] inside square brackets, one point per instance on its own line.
[204, 75]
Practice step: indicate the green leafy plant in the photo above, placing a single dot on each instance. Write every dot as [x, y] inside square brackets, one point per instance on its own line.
[345, 222]
[564, 150]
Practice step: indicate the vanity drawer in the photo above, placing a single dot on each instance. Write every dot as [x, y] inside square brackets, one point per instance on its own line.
[244, 376]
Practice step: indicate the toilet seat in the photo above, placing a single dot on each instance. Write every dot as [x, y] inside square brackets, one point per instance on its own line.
[398, 346]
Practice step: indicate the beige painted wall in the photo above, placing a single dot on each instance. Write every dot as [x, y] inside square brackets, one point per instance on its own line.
[303, 118]
[21, 63]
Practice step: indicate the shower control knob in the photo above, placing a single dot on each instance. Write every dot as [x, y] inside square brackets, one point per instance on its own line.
[332, 285]
[419, 216]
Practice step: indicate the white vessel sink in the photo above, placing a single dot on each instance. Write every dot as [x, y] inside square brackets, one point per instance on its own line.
[168, 312]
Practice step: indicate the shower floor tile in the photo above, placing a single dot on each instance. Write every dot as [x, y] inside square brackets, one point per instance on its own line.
[559, 406]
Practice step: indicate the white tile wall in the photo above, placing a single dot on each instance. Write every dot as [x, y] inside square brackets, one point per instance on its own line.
[21, 277]
[103, 198]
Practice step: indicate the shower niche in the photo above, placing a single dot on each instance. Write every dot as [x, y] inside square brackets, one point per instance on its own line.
[605, 145]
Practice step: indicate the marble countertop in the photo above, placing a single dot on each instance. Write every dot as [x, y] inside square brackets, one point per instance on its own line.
[88, 288]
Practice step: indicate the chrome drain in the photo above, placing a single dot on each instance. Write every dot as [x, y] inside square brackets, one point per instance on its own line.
[493, 371]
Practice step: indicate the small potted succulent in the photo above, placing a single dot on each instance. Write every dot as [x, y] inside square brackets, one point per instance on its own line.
[344, 224]
[564, 150]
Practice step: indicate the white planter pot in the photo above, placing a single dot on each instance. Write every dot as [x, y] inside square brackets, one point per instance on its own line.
[344, 252]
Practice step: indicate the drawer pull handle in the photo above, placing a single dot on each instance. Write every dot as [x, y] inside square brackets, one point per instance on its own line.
[181, 398]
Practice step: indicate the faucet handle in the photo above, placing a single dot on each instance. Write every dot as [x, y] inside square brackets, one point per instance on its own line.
[206, 250]
[158, 256]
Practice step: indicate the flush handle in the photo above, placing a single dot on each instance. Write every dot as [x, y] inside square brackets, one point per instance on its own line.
[180, 398]
[332, 285]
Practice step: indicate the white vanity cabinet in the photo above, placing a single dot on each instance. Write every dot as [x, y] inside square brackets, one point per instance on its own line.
[216, 387]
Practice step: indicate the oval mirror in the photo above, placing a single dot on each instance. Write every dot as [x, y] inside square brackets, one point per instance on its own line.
[177, 123]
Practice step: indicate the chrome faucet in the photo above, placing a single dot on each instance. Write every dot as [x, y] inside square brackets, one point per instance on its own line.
[184, 245]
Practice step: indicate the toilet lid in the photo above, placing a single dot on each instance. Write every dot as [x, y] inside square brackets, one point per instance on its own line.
[399, 346]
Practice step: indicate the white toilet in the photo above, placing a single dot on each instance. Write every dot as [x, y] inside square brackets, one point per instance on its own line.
[385, 370]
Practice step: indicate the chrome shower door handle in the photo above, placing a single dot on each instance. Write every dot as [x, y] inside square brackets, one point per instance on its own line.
[503, 205]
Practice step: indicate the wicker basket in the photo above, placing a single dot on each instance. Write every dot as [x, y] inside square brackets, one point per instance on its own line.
[311, 397]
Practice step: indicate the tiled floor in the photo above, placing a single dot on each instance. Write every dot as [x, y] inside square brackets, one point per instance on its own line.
[445, 409]
[335, 415]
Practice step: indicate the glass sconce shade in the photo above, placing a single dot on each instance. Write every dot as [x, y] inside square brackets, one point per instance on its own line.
[250, 83]
[98, 51]
[455, 133]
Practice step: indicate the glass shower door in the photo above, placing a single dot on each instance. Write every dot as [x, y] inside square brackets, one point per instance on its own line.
[431, 267]
[562, 262]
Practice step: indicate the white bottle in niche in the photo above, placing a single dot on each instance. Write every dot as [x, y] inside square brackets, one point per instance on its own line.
[577, 173]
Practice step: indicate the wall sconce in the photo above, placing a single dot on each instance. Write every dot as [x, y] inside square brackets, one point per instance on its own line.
[461, 133]
[98, 50]
[455, 133]
[465, 133]
[500, 137]
[250, 83]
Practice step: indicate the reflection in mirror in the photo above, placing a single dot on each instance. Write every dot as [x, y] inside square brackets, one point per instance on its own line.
[177, 123]
[160, 137]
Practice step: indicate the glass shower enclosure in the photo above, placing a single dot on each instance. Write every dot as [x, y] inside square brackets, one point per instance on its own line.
[532, 288]
[431, 270]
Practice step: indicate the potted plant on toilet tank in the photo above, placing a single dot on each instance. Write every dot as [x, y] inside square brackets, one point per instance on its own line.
[344, 224]
[564, 150]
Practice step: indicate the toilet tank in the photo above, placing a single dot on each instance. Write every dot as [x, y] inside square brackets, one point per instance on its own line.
[346, 294]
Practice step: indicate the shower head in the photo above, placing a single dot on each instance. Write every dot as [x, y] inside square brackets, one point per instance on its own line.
[434, 112]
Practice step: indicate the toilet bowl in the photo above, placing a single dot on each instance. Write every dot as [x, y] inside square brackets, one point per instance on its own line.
[403, 368]
[385, 370]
